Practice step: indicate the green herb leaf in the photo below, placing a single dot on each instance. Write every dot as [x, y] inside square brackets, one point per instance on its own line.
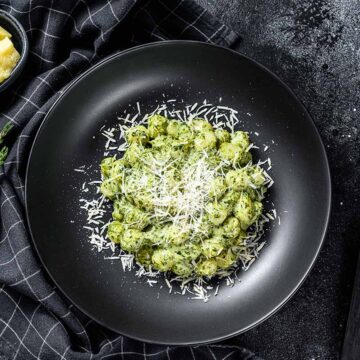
[4, 150]
[7, 127]
[3, 154]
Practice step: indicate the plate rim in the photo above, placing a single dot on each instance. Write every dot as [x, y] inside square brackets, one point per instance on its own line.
[328, 184]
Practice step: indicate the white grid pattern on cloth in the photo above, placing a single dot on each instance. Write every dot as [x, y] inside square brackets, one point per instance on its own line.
[35, 320]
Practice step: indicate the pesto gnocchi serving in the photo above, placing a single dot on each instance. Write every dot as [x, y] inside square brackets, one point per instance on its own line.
[185, 196]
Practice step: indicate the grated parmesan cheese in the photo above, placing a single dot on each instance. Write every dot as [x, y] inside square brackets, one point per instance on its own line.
[191, 201]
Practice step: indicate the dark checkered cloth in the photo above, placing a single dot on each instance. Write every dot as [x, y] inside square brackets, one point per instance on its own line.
[66, 38]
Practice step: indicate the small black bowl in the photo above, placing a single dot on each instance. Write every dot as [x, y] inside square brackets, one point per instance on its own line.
[21, 43]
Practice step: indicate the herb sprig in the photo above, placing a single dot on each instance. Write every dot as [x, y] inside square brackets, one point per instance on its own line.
[4, 150]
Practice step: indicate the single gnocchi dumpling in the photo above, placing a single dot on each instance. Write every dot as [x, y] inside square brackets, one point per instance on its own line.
[144, 255]
[256, 176]
[258, 209]
[153, 235]
[133, 154]
[157, 125]
[222, 136]
[245, 159]
[217, 213]
[230, 152]
[206, 268]
[182, 268]
[205, 140]
[244, 210]
[144, 200]
[136, 218]
[229, 199]
[200, 125]
[237, 179]
[175, 235]
[132, 240]
[241, 139]
[213, 159]
[161, 141]
[191, 251]
[173, 128]
[203, 227]
[218, 231]
[240, 241]
[116, 170]
[217, 188]
[226, 260]
[185, 136]
[110, 188]
[164, 259]
[137, 135]
[118, 212]
[231, 227]
[106, 166]
[212, 247]
[115, 231]
[180, 131]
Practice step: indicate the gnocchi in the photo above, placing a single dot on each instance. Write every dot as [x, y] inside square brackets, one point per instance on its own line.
[184, 195]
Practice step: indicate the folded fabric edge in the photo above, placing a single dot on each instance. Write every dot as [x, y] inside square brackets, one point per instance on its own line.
[224, 36]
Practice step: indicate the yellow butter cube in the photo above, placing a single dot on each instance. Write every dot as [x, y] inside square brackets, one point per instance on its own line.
[4, 33]
[9, 57]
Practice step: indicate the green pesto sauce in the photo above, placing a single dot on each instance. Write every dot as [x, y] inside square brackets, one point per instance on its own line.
[184, 196]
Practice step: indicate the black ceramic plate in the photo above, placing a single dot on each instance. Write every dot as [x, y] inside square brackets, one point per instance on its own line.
[69, 137]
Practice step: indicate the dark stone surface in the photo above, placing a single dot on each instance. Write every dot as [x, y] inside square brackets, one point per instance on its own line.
[314, 47]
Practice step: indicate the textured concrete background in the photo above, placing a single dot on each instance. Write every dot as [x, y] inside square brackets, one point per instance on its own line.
[314, 46]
